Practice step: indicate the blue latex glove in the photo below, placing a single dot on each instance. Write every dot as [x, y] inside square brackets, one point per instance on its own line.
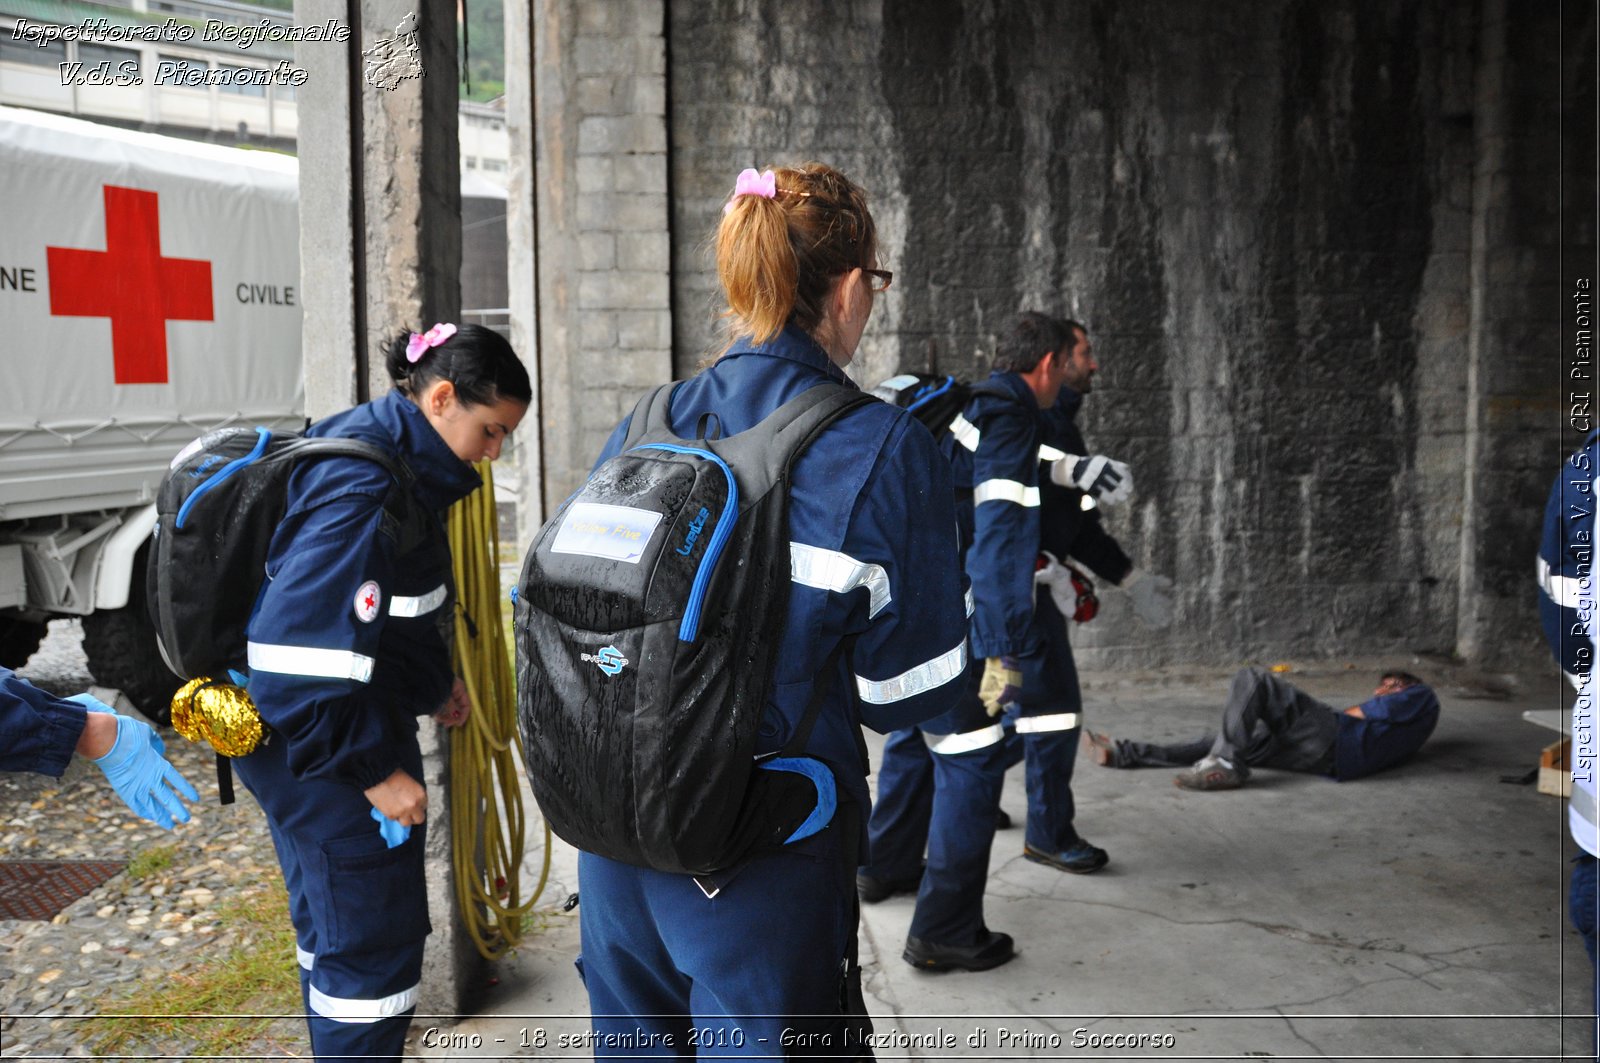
[139, 772]
[394, 833]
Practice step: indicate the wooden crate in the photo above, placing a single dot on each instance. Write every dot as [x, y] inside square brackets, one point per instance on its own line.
[1555, 769]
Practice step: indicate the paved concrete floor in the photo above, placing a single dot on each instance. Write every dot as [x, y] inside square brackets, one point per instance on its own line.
[1416, 914]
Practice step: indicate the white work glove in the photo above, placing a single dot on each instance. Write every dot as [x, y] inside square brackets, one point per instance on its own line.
[1058, 579]
[1103, 479]
[1152, 597]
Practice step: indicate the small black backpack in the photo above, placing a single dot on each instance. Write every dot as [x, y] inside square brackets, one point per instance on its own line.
[932, 399]
[217, 508]
[648, 619]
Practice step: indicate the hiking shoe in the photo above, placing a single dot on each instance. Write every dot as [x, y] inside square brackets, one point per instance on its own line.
[1081, 859]
[873, 890]
[1002, 819]
[1211, 773]
[1102, 750]
[990, 951]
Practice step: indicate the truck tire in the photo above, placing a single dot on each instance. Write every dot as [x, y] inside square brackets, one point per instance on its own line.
[18, 639]
[121, 647]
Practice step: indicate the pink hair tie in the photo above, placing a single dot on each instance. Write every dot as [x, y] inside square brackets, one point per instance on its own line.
[751, 183]
[419, 342]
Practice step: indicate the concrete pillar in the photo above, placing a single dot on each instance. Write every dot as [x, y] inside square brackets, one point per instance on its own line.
[522, 263]
[1513, 386]
[605, 315]
[380, 223]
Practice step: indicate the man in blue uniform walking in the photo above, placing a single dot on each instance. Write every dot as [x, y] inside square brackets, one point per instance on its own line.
[1020, 666]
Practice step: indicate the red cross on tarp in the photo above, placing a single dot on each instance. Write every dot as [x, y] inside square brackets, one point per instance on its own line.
[130, 283]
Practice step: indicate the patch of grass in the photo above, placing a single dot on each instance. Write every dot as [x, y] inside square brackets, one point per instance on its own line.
[226, 1003]
[149, 861]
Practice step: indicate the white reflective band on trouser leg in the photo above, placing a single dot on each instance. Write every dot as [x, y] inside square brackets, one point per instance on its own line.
[306, 660]
[1005, 491]
[919, 680]
[965, 432]
[970, 603]
[400, 605]
[830, 570]
[1032, 725]
[347, 1009]
[967, 741]
[303, 958]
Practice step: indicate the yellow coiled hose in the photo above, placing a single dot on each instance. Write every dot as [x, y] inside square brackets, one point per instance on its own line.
[487, 825]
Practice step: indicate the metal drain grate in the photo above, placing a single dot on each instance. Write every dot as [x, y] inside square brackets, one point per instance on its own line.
[38, 889]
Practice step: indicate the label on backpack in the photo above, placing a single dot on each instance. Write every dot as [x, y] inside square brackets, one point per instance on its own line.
[614, 533]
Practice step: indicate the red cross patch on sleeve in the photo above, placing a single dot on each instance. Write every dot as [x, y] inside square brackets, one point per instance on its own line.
[368, 598]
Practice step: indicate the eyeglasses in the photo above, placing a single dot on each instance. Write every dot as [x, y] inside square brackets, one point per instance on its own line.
[878, 279]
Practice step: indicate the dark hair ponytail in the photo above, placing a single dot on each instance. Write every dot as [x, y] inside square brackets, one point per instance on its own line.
[477, 361]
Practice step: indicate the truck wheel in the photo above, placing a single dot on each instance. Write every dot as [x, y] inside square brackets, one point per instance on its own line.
[121, 647]
[18, 639]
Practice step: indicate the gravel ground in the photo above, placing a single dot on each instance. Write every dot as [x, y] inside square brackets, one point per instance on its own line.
[55, 976]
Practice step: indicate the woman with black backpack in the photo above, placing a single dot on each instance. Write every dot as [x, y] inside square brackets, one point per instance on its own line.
[757, 958]
[348, 648]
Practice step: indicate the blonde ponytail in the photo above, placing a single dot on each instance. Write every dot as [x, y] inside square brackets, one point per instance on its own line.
[778, 253]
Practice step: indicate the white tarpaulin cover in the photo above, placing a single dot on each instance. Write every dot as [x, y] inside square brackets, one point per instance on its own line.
[149, 291]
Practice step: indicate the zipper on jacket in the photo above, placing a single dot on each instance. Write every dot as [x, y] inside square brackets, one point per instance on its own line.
[689, 628]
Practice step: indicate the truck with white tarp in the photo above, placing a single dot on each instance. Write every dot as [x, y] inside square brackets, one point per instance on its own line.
[148, 294]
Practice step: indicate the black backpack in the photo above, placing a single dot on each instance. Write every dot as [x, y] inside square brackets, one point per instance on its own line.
[932, 399]
[936, 400]
[647, 623]
[217, 508]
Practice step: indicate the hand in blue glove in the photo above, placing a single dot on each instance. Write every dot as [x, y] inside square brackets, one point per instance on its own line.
[139, 772]
[393, 833]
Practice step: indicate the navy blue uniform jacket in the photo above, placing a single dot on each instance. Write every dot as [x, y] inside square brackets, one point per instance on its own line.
[347, 644]
[993, 451]
[38, 731]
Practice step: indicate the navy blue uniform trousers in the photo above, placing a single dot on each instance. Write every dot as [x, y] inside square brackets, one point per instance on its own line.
[359, 908]
[754, 972]
[1051, 700]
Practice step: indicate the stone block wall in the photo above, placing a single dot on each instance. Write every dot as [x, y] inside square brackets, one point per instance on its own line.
[601, 191]
[1314, 279]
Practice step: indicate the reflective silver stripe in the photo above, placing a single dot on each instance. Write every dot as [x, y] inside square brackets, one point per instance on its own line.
[400, 605]
[969, 740]
[1005, 491]
[1563, 590]
[1032, 725]
[1585, 810]
[1583, 817]
[1049, 454]
[354, 1009]
[971, 605]
[304, 660]
[303, 958]
[830, 570]
[965, 432]
[927, 676]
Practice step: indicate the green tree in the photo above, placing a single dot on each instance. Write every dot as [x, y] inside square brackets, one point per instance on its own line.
[483, 49]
